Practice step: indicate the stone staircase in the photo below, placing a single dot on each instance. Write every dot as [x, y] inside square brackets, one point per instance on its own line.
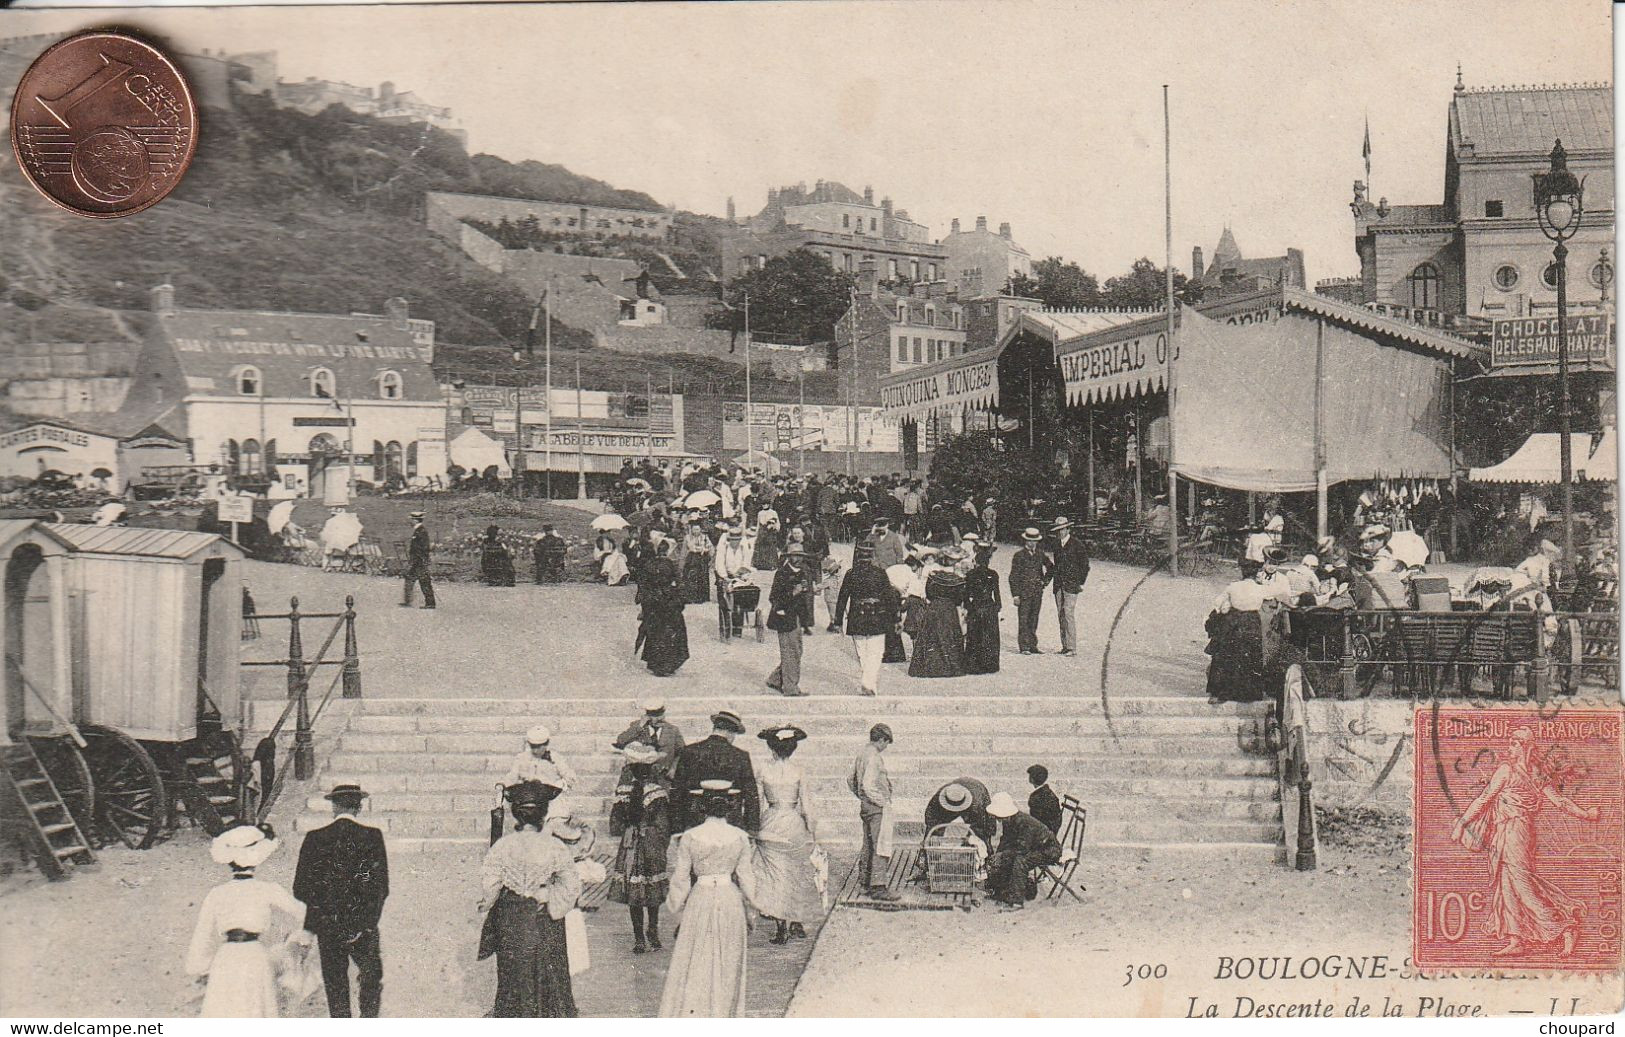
[1170, 774]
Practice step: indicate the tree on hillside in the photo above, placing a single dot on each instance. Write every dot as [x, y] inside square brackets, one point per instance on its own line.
[798, 295]
[1145, 286]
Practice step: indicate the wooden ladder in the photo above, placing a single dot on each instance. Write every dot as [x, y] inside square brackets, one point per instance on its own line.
[54, 836]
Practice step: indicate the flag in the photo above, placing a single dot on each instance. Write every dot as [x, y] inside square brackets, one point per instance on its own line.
[1365, 151]
[530, 332]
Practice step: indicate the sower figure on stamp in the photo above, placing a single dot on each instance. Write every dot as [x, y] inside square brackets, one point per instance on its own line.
[417, 563]
[343, 878]
[1524, 907]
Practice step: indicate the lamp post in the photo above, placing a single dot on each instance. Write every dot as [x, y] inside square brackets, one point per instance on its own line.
[1558, 208]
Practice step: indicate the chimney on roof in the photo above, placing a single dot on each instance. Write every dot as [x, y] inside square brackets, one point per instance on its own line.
[885, 207]
[1004, 231]
[1196, 263]
[733, 215]
[163, 300]
[981, 223]
[396, 310]
[954, 227]
[868, 196]
[868, 278]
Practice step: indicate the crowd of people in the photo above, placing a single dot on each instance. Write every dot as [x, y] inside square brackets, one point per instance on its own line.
[702, 833]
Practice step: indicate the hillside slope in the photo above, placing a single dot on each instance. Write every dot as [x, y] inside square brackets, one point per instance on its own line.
[284, 211]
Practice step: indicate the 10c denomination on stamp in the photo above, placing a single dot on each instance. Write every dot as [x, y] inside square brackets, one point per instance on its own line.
[1517, 850]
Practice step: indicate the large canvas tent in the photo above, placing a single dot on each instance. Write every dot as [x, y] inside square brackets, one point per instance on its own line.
[1307, 400]
[1594, 458]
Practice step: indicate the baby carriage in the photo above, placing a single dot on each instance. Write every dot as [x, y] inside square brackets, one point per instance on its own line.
[736, 600]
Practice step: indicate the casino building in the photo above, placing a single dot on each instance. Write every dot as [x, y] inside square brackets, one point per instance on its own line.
[306, 400]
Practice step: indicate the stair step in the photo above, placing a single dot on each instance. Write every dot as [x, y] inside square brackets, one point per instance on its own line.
[54, 829]
[693, 713]
[67, 852]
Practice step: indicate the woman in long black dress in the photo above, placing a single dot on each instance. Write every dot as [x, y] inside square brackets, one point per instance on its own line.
[530, 883]
[982, 603]
[696, 564]
[496, 561]
[939, 647]
[660, 592]
[641, 817]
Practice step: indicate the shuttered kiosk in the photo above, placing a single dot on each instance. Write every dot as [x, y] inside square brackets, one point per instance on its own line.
[144, 635]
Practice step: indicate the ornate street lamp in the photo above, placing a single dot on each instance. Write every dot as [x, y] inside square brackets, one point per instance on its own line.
[1559, 207]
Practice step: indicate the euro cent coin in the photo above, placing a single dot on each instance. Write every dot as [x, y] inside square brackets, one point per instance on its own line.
[103, 124]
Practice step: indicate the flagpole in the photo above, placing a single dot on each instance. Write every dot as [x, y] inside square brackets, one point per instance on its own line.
[1168, 275]
[548, 333]
[750, 424]
[581, 441]
[649, 416]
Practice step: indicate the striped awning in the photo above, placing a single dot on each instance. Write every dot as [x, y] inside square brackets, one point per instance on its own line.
[969, 381]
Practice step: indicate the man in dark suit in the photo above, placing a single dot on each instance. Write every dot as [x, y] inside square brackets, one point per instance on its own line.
[417, 563]
[656, 731]
[717, 758]
[343, 878]
[1024, 844]
[1043, 803]
[1029, 572]
[1069, 570]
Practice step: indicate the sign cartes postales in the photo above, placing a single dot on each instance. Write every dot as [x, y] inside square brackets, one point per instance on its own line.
[1517, 852]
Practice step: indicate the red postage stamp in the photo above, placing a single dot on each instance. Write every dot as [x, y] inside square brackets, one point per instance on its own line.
[1517, 839]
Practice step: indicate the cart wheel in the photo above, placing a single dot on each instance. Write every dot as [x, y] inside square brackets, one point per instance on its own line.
[131, 802]
[71, 775]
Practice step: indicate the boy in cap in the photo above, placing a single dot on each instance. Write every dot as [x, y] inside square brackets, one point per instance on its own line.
[343, 879]
[1042, 803]
[536, 762]
[871, 784]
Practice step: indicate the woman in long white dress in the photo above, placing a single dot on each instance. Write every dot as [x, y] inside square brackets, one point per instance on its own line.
[786, 879]
[226, 949]
[713, 886]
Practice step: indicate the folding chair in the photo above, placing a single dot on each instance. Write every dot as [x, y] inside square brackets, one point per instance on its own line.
[1075, 820]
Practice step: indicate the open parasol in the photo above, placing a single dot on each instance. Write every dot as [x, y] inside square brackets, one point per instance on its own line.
[606, 523]
[1409, 547]
[701, 499]
[341, 532]
[642, 484]
[279, 516]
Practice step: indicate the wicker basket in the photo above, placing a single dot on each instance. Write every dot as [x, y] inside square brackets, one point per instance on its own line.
[950, 860]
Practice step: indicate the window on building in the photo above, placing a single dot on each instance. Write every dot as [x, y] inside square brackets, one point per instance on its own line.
[931, 274]
[389, 385]
[919, 357]
[846, 260]
[1425, 285]
[249, 462]
[323, 444]
[761, 260]
[891, 269]
[902, 347]
[745, 265]
[1506, 277]
[1602, 274]
[248, 381]
[1549, 275]
[412, 459]
[902, 313]
[322, 383]
[931, 315]
[871, 223]
[392, 459]
[914, 270]
[230, 455]
[1493, 208]
[846, 219]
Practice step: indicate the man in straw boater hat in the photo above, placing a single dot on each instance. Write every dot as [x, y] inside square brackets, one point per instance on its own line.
[418, 569]
[536, 762]
[1029, 572]
[1024, 844]
[867, 609]
[343, 878]
[1069, 569]
[655, 730]
[716, 758]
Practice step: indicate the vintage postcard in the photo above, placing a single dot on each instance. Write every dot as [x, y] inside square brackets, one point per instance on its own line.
[1033, 509]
